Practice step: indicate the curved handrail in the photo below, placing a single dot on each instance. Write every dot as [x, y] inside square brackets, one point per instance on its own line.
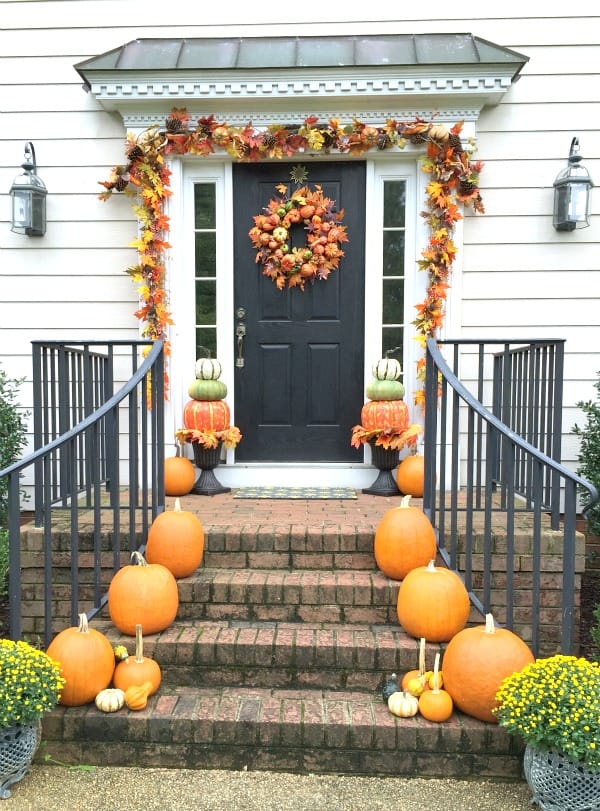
[502, 429]
[99, 413]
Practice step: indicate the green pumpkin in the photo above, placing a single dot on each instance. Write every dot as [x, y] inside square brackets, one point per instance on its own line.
[385, 390]
[207, 389]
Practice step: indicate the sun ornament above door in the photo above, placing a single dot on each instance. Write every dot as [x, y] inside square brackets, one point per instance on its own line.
[374, 77]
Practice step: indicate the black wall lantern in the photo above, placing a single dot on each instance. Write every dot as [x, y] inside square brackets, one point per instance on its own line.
[28, 195]
[572, 194]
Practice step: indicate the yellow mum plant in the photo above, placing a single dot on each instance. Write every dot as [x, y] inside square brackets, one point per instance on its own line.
[30, 683]
[554, 705]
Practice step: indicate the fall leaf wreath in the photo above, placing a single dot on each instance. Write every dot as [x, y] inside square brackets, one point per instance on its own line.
[289, 266]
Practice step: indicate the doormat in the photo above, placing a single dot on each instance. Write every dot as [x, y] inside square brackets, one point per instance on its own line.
[296, 492]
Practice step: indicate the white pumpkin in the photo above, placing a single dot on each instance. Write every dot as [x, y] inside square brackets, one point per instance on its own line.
[403, 704]
[387, 369]
[110, 699]
[208, 369]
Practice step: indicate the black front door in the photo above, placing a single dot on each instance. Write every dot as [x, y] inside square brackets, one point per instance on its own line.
[300, 388]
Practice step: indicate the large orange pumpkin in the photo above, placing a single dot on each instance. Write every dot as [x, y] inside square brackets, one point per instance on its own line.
[143, 593]
[206, 415]
[378, 414]
[138, 669]
[180, 475]
[433, 603]
[410, 476]
[87, 662]
[176, 539]
[476, 662]
[404, 539]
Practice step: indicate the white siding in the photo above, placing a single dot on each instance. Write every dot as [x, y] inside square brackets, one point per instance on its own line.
[518, 277]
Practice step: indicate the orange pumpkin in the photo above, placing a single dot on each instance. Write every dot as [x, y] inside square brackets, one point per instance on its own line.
[138, 669]
[176, 539]
[145, 593]
[206, 415]
[436, 704]
[410, 476]
[87, 662]
[404, 540]
[180, 475]
[378, 414]
[476, 662]
[433, 603]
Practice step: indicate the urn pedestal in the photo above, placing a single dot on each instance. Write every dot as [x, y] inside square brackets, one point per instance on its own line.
[558, 784]
[207, 459]
[385, 461]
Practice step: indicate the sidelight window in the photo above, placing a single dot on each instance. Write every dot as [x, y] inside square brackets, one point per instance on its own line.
[393, 281]
[205, 269]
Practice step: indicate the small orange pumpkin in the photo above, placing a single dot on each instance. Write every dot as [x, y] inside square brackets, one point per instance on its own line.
[404, 540]
[436, 704]
[410, 476]
[138, 669]
[145, 593]
[433, 602]
[87, 662]
[176, 539]
[476, 662]
[180, 475]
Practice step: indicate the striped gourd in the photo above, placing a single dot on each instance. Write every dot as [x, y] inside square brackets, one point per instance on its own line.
[206, 415]
[378, 414]
[208, 368]
[387, 369]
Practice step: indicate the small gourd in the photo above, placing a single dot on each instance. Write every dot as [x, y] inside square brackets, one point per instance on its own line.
[416, 681]
[111, 699]
[403, 704]
[136, 696]
[391, 686]
[138, 669]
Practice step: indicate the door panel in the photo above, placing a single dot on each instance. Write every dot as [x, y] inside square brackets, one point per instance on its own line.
[300, 389]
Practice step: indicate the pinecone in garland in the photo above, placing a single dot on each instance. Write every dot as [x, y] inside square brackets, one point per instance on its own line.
[135, 153]
[173, 125]
[268, 140]
[417, 138]
[121, 184]
[466, 188]
[455, 142]
[383, 141]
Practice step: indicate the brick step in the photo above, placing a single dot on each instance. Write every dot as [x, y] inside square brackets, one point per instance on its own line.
[355, 597]
[330, 657]
[289, 547]
[300, 731]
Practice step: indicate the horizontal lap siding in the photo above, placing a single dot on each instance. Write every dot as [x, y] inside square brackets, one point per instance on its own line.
[514, 275]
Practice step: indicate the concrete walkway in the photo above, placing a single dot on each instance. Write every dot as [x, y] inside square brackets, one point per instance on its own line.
[55, 788]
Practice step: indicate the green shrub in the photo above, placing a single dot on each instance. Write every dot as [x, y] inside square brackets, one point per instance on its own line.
[589, 454]
[595, 629]
[3, 564]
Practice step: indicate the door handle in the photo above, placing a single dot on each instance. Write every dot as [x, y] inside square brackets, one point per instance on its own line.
[240, 332]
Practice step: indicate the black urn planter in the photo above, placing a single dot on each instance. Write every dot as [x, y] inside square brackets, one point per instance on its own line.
[207, 460]
[385, 460]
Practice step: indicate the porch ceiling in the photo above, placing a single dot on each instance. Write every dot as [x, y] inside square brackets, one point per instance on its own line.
[376, 76]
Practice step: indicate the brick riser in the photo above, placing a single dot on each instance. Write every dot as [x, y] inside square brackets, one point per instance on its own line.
[276, 660]
[299, 731]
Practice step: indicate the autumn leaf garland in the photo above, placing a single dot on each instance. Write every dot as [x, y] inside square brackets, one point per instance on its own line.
[454, 180]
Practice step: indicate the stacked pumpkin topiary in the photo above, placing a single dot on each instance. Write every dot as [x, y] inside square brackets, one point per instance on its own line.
[385, 407]
[207, 410]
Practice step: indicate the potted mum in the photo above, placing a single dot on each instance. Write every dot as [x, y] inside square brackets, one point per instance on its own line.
[553, 704]
[30, 685]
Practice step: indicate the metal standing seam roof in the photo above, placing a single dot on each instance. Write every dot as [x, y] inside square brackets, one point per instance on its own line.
[255, 53]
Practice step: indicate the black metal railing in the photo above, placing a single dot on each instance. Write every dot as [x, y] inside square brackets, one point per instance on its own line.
[480, 473]
[100, 455]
